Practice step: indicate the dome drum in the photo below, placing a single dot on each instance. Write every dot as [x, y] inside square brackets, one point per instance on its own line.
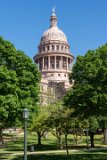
[54, 47]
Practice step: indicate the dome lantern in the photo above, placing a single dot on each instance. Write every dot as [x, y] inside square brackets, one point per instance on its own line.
[53, 18]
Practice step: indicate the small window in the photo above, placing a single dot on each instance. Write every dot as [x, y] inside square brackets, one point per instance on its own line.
[52, 47]
[65, 75]
[59, 75]
[48, 48]
[43, 48]
[57, 47]
[61, 47]
[52, 75]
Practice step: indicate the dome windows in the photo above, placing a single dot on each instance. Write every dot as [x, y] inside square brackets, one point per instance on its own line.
[57, 47]
[48, 48]
[53, 47]
[61, 48]
[44, 48]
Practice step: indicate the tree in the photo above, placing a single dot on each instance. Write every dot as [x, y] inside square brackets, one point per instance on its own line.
[89, 93]
[39, 124]
[19, 85]
[66, 124]
[60, 123]
[93, 126]
[54, 121]
[103, 126]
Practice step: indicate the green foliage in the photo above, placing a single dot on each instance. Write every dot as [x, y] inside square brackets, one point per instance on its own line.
[93, 124]
[19, 84]
[89, 94]
[39, 120]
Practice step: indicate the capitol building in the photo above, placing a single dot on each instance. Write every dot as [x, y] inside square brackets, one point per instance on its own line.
[54, 60]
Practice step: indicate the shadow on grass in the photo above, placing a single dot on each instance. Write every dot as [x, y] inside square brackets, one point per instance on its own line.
[65, 157]
[4, 156]
[43, 147]
[18, 147]
[14, 146]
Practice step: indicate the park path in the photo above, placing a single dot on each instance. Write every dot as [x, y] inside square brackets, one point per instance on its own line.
[45, 152]
[60, 151]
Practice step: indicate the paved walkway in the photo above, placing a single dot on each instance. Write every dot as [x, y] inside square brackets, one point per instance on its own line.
[45, 152]
[59, 151]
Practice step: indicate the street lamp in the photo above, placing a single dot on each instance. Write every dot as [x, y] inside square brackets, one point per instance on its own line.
[25, 117]
[87, 138]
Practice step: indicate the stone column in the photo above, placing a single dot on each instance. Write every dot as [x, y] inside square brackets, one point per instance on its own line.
[55, 48]
[48, 62]
[45, 48]
[67, 62]
[50, 47]
[55, 62]
[61, 62]
[43, 63]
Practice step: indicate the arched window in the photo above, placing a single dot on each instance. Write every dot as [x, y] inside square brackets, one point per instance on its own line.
[57, 47]
[48, 48]
[61, 48]
[44, 48]
[52, 47]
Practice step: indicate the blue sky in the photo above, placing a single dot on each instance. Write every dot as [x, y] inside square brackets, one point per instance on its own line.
[83, 21]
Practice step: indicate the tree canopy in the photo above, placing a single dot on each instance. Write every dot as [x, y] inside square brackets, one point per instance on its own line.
[19, 84]
[89, 93]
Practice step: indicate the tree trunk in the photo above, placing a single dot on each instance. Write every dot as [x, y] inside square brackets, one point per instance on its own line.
[66, 144]
[92, 138]
[58, 135]
[60, 141]
[105, 136]
[39, 138]
[1, 138]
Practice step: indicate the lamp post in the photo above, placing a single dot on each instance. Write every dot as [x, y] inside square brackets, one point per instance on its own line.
[87, 138]
[25, 117]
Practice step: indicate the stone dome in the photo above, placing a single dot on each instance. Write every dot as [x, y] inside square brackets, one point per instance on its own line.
[53, 33]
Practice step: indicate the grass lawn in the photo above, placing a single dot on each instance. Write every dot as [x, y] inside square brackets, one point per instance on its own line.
[15, 145]
[61, 156]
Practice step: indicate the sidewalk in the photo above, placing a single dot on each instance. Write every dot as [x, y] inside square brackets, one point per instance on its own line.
[44, 152]
[61, 151]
